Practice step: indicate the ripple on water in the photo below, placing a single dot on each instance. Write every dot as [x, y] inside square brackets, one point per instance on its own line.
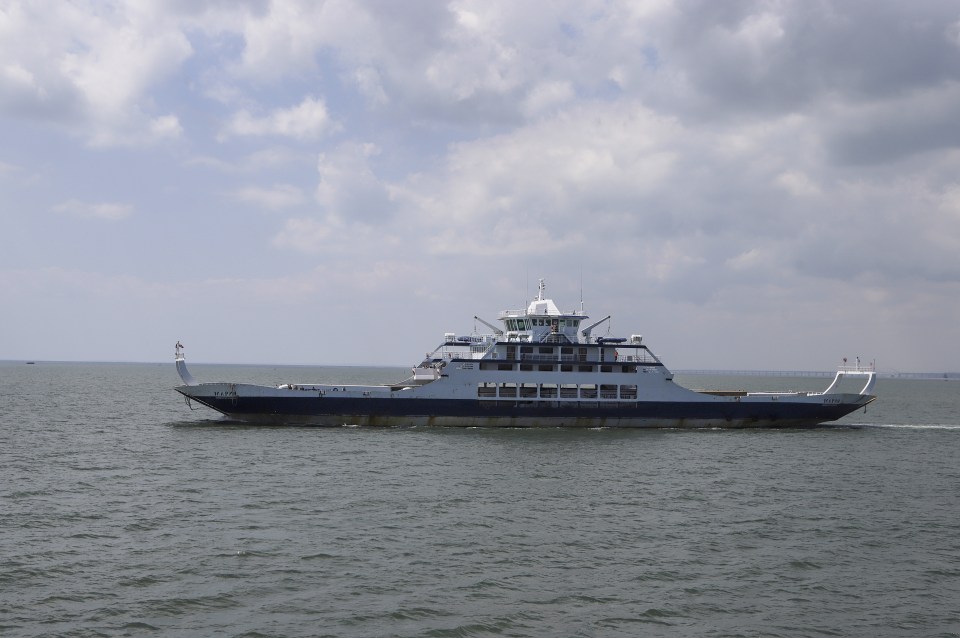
[157, 523]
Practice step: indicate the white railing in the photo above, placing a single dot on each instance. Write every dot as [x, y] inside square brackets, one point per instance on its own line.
[862, 368]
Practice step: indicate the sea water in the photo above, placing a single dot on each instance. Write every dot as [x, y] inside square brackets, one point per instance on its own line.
[124, 513]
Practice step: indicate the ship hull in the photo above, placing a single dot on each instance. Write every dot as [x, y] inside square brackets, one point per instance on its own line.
[543, 369]
[312, 409]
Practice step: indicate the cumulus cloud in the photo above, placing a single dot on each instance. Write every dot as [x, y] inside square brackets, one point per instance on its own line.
[588, 171]
[281, 36]
[465, 60]
[354, 203]
[307, 120]
[370, 83]
[765, 208]
[165, 126]
[94, 69]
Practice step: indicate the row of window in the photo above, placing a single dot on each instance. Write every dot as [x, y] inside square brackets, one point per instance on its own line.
[556, 391]
[570, 353]
[552, 367]
[529, 323]
[565, 350]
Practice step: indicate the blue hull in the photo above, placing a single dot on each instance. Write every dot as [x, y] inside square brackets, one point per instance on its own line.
[313, 410]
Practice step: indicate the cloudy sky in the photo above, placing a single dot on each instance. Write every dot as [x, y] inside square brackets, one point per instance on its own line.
[752, 185]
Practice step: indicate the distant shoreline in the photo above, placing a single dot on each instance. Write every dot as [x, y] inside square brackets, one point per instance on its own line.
[933, 376]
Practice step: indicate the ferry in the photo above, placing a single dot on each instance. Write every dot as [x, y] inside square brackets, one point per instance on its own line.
[540, 367]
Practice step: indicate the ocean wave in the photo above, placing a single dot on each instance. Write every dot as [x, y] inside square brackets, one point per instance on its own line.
[909, 426]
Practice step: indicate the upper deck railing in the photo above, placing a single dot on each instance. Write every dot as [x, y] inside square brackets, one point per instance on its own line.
[504, 314]
[862, 368]
[610, 353]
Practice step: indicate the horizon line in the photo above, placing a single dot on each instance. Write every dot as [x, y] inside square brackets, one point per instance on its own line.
[687, 371]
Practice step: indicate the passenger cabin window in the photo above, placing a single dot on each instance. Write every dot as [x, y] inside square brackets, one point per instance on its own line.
[487, 391]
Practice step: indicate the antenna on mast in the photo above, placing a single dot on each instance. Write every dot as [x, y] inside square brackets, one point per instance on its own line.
[581, 289]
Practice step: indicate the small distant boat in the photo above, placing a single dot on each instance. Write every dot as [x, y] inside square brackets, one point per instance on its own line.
[541, 369]
[30, 363]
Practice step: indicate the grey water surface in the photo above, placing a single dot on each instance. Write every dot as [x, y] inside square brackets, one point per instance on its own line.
[125, 513]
